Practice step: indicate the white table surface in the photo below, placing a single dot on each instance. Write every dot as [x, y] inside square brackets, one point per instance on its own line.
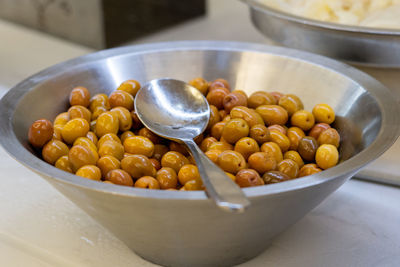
[358, 225]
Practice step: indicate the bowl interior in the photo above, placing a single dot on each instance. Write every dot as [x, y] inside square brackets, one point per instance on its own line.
[358, 114]
[360, 102]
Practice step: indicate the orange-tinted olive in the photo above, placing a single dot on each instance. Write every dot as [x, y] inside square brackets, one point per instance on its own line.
[138, 166]
[329, 136]
[277, 96]
[234, 130]
[156, 164]
[303, 119]
[295, 156]
[226, 118]
[167, 178]
[248, 177]
[318, 129]
[121, 98]
[57, 131]
[108, 163]
[327, 156]
[216, 97]
[273, 150]
[99, 100]
[147, 182]
[188, 172]
[174, 146]
[63, 164]
[218, 83]
[259, 98]
[307, 148]
[108, 137]
[92, 137]
[220, 146]
[309, 169]
[272, 114]
[262, 162]
[119, 177]
[80, 156]
[279, 128]
[112, 148]
[280, 139]
[40, 132]
[213, 155]
[273, 177]
[79, 112]
[97, 111]
[91, 172]
[200, 84]
[61, 119]
[124, 118]
[84, 141]
[139, 145]
[125, 135]
[246, 146]
[174, 160]
[249, 115]
[291, 103]
[205, 144]
[79, 96]
[288, 167]
[73, 129]
[222, 113]
[216, 130]
[193, 185]
[231, 161]
[136, 123]
[234, 99]
[149, 134]
[323, 113]
[159, 151]
[53, 150]
[295, 134]
[260, 133]
[106, 123]
[130, 86]
[214, 116]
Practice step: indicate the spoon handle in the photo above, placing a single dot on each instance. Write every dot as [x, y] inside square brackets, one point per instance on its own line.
[226, 194]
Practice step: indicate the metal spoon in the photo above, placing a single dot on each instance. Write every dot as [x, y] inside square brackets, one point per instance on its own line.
[177, 111]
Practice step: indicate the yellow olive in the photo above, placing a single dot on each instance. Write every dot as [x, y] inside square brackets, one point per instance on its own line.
[63, 164]
[91, 172]
[108, 163]
[138, 166]
[234, 130]
[124, 118]
[273, 114]
[53, 150]
[130, 86]
[79, 96]
[139, 145]
[79, 112]
[74, 129]
[107, 122]
[112, 148]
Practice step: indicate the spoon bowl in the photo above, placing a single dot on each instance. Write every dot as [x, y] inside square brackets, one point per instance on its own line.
[175, 110]
[172, 109]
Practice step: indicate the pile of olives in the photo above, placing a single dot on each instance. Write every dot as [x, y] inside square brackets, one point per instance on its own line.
[263, 138]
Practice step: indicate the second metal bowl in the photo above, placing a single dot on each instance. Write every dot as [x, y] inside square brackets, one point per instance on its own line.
[353, 44]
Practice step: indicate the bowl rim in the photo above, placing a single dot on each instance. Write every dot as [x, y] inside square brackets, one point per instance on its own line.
[255, 4]
[387, 135]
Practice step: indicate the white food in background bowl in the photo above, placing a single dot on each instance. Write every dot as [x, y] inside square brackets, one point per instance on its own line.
[368, 13]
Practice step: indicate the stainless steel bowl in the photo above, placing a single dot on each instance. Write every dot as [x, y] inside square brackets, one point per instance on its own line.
[353, 44]
[186, 228]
